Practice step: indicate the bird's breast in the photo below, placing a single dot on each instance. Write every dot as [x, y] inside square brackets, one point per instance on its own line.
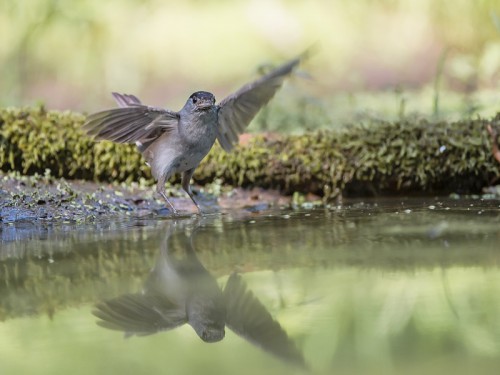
[199, 129]
[184, 148]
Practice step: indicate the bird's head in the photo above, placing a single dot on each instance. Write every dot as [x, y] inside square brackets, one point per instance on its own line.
[201, 101]
[206, 313]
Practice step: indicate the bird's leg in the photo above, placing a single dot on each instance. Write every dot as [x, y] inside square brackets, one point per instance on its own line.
[186, 178]
[160, 189]
[494, 134]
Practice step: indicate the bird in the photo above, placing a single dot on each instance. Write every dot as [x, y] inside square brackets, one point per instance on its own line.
[176, 142]
[180, 290]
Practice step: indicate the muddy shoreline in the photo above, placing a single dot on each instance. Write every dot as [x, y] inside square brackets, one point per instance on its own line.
[45, 199]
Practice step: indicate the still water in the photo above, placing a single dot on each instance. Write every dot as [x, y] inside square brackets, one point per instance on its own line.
[376, 287]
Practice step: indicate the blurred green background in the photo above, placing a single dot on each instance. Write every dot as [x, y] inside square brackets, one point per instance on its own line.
[376, 57]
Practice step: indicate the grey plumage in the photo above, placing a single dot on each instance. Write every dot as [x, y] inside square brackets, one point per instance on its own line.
[176, 142]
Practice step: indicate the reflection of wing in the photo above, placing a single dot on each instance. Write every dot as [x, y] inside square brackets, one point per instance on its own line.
[238, 109]
[139, 314]
[131, 122]
[247, 317]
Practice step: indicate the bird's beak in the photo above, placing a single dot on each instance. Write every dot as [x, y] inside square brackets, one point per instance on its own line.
[205, 104]
[213, 335]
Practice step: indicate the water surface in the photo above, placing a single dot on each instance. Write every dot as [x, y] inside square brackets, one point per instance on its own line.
[385, 286]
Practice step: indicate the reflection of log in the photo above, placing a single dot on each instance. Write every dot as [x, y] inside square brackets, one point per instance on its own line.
[69, 266]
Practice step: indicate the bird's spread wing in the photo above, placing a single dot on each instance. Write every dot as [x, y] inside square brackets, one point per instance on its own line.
[131, 122]
[247, 317]
[238, 109]
[126, 100]
[139, 314]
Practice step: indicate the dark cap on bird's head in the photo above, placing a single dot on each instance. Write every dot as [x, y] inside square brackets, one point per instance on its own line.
[202, 99]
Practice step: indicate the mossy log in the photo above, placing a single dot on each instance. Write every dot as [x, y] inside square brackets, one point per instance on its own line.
[361, 159]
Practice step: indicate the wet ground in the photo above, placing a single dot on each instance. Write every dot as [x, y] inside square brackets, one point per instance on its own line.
[45, 200]
[376, 287]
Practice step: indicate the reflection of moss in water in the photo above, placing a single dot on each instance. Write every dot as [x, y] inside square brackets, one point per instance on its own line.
[75, 264]
[343, 318]
[48, 276]
[363, 158]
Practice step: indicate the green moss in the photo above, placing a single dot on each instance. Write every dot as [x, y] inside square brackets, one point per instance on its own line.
[377, 157]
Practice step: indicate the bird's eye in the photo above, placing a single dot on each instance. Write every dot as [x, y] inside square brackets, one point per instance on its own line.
[195, 99]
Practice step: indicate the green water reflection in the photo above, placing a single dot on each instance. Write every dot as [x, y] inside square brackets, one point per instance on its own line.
[377, 287]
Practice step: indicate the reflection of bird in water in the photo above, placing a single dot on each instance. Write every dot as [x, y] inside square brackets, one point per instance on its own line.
[180, 290]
